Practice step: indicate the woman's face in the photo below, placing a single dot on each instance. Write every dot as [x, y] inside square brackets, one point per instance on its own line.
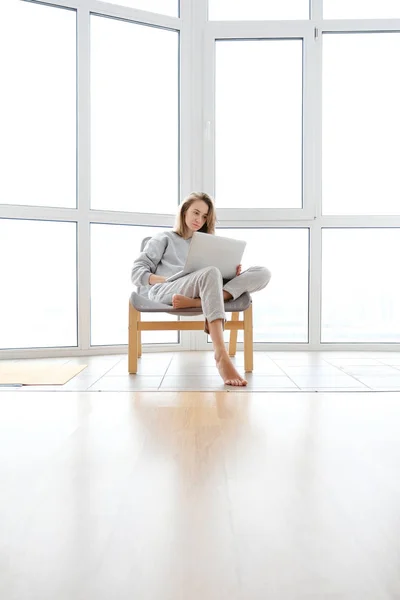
[196, 215]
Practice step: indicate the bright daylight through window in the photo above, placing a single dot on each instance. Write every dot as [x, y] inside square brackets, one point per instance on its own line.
[258, 118]
[285, 112]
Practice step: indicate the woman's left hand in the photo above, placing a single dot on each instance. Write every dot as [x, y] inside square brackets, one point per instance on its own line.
[238, 270]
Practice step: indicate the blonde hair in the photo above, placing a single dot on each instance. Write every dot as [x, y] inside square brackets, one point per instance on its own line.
[209, 226]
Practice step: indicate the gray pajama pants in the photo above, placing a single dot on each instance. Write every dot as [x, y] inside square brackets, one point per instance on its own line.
[207, 284]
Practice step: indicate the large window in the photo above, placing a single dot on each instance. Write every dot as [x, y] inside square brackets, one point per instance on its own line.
[360, 286]
[361, 9]
[231, 10]
[134, 125]
[38, 105]
[281, 309]
[361, 124]
[113, 250]
[258, 119]
[38, 284]
[166, 7]
[286, 112]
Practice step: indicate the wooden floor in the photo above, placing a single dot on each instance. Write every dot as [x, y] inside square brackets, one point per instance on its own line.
[199, 496]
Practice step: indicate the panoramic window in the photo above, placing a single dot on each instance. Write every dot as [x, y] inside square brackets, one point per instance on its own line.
[135, 118]
[258, 124]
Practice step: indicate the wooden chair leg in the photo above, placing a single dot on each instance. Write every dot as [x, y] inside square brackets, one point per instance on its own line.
[133, 339]
[233, 336]
[139, 337]
[248, 339]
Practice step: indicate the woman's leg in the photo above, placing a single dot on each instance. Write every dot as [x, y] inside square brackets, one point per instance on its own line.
[252, 280]
[206, 285]
[224, 364]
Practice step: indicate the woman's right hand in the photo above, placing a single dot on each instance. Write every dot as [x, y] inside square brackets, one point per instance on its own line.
[153, 279]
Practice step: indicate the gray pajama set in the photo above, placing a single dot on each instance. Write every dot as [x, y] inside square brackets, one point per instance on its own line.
[165, 254]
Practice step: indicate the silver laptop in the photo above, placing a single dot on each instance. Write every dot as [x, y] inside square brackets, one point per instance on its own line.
[207, 250]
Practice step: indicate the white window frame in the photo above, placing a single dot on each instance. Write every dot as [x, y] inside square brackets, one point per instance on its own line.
[310, 215]
[197, 67]
[235, 31]
[83, 215]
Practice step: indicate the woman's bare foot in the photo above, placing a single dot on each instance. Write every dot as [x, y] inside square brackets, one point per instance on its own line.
[228, 372]
[179, 301]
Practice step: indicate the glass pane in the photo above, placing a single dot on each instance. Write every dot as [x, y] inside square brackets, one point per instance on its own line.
[280, 311]
[38, 105]
[38, 292]
[164, 7]
[253, 10]
[113, 250]
[361, 9]
[361, 124]
[258, 120]
[360, 291]
[135, 123]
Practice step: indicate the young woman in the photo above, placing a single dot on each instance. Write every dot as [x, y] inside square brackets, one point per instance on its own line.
[165, 254]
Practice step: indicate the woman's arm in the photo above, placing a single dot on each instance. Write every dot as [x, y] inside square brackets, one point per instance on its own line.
[156, 279]
[146, 264]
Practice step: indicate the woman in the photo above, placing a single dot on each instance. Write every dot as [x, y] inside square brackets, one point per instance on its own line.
[165, 254]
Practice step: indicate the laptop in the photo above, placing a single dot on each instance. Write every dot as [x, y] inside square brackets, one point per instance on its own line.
[208, 250]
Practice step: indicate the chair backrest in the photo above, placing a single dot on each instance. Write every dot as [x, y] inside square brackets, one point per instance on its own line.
[144, 242]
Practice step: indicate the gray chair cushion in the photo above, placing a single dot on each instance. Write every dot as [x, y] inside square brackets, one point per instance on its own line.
[143, 304]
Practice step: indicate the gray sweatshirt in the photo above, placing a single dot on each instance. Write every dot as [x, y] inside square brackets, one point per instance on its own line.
[164, 255]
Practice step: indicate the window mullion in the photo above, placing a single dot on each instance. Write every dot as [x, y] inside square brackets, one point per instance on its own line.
[83, 180]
